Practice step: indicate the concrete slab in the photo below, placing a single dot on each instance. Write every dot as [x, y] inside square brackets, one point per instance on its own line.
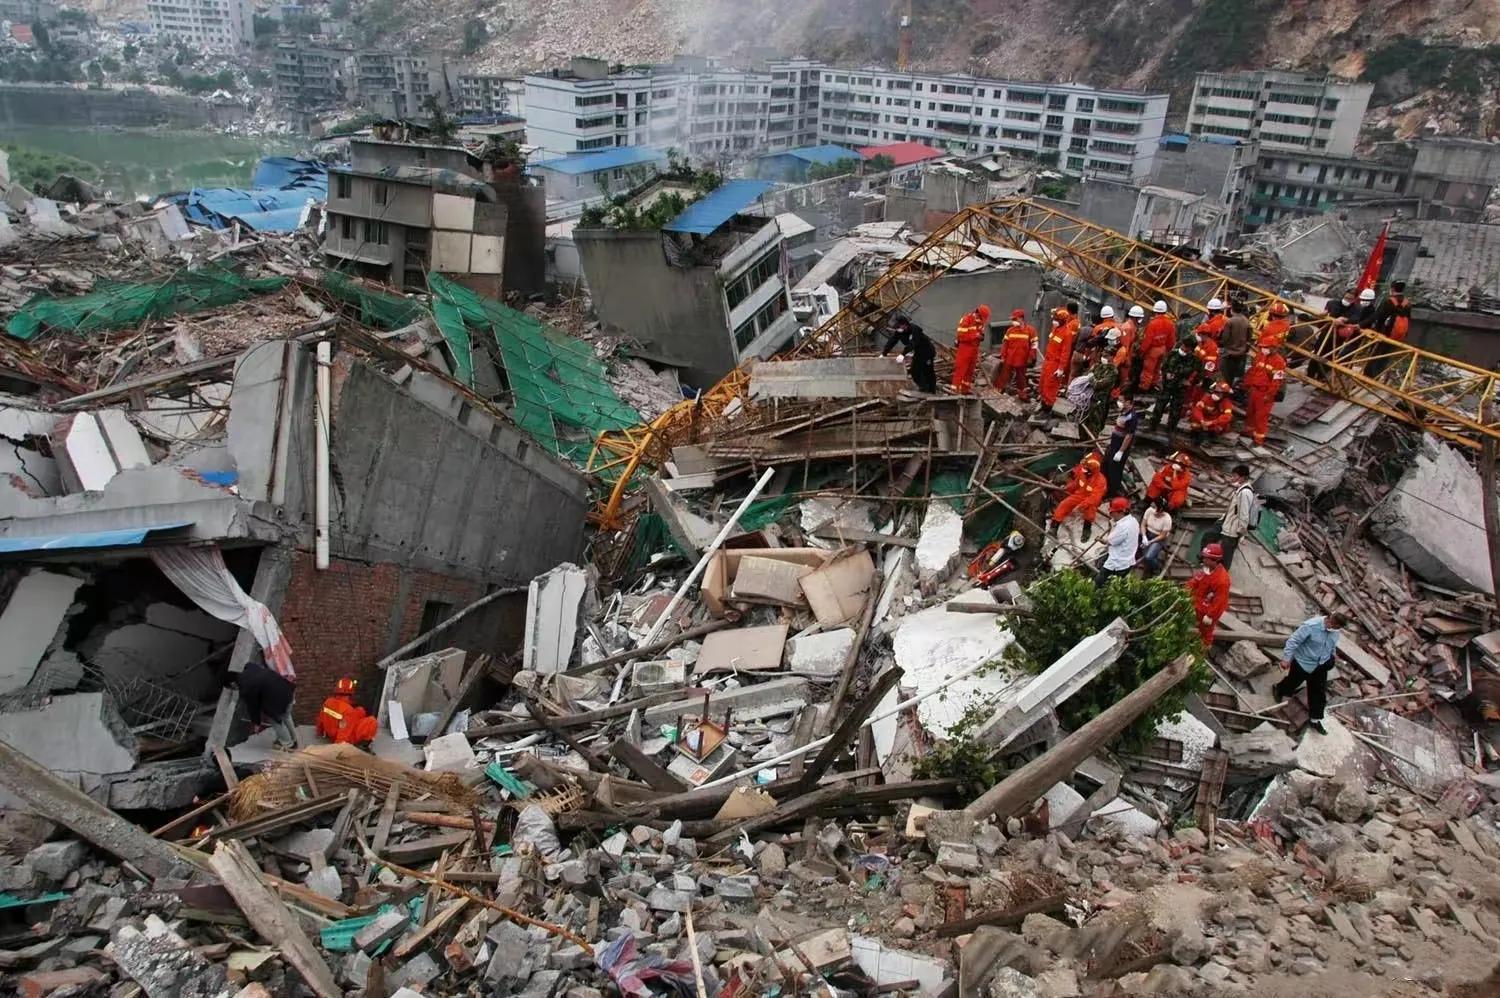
[1027, 704]
[77, 734]
[742, 649]
[831, 514]
[194, 623]
[152, 653]
[1428, 520]
[1435, 761]
[450, 753]
[750, 703]
[820, 654]
[938, 545]
[1196, 737]
[422, 684]
[1135, 822]
[1331, 754]
[29, 624]
[933, 646]
[552, 618]
[887, 965]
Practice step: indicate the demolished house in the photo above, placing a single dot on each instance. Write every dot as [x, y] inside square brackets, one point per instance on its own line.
[782, 722]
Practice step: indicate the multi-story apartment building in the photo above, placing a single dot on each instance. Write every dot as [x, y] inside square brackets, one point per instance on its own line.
[727, 114]
[482, 93]
[209, 25]
[28, 11]
[1296, 185]
[310, 76]
[1078, 129]
[587, 107]
[1285, 112]
[395, 84]
[792, 116]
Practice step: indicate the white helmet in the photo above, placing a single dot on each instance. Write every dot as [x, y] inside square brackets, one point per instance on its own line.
[1136, 312]
[1016, 541]
[1214, 305]
[1107, 312]
[1160, 308]
[1368, 294]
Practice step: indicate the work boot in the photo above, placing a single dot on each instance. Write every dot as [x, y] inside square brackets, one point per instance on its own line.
[1088, 531]
[1318, 726]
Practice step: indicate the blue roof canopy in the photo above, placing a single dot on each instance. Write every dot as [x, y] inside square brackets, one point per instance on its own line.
[280, 188]
[124, 537]
[609, 159]
[704, 216]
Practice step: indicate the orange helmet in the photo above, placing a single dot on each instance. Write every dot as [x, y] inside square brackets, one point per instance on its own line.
[1280, 310]
[1019, 313]
[346, 686]
[1212, 551]
[1093, 460]
[983, 312]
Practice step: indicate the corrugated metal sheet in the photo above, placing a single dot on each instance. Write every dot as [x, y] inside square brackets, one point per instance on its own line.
[608, 159]
[704, 216]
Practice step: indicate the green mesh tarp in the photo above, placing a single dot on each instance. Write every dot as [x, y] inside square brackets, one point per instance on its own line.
[376, 308]
[563, 397]
[120, 306]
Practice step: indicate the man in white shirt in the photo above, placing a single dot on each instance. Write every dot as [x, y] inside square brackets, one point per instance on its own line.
[1124, 541]
[1156, 526]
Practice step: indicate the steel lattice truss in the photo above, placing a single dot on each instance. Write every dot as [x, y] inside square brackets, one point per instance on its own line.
[1444, 396]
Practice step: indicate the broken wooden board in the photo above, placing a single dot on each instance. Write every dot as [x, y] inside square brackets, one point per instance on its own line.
[1367, 663]
[836, 591]
[765, 580]
[744, 649]
[272, 919]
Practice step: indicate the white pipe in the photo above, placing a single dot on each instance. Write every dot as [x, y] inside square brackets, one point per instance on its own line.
[320, 433]
[703, 562]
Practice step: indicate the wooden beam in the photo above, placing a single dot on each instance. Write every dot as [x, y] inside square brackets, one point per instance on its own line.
[189, 820]
[851, 658]
[1491, 510]
[424, 849]
[418, 939]
[421, 639]
[275, 923]
[591, 757]
[645, 651]
[830, 797]
[387, 815]
[1049, 905]
[831, 533]
[586, 717]
[645, 768]
[848, 727]
[226, 768]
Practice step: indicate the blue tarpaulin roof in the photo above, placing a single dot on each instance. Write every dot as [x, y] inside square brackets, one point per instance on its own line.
[609, 159]
[280, 188]
[705, 215]
[124, 537]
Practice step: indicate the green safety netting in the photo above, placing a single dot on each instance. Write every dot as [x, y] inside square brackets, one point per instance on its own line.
[118, 306]
[376, 308]
[562, 393]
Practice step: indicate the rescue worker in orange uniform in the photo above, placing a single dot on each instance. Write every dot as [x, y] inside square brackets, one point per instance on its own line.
[1209, 588]
[1262, 384]
[966, 357]
[1213, 412]
[341, 721]
[1085, 491]
[1277, 328]
[1172, 481]
[1105, 331]
[1017, 351]
[1125, 353]
[1059, 354]
[1213, 326]
[1207, 352]
[1156, 341]
[1393, 317]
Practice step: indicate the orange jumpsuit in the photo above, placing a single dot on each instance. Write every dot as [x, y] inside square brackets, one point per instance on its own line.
[1212, 415]
[1274, 333]
[342, 722]
[1172, 483]
[966, 356]
[1209, 589]
[1213, 326]
[1058, 356]
[1125, 354]
[1160, 334]
[1086, 488]
[1017, 351]
[1207, 352]
[1262, 382]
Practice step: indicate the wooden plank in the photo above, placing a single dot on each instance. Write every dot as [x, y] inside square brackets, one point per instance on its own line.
[226, 768]
[1369, 664]
[275, 923]
[387, 815]
[418, 939]
[344, 822]
[1050, 905]
[277, 820]
[421, 850]
[587, 717]
[646, 768]
[848, 727]
[851, 660]
[189, 820]
[589, 756]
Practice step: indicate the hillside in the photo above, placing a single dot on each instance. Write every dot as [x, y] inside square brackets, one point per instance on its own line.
[1434, 63]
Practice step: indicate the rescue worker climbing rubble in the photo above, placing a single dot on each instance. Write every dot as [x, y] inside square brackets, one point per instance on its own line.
[966, 353]
[1156, 342]
[1209, 588]
[1263, 382]
[1017, 351]
[1085, 491]
[341, 721]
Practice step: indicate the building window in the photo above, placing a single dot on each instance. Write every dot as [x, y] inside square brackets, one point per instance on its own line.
[1075, 162]
[758, 323]
[376, 233]
[1057, 102]
[1330, 104]
[346, 227]
[1054, 121]
[380, 194]
[343, 185]
[1085, 105]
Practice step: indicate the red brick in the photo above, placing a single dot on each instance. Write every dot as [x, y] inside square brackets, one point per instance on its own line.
[41, 983]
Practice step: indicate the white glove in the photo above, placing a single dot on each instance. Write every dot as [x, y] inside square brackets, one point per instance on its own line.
[1119, 456]
[1207, 619]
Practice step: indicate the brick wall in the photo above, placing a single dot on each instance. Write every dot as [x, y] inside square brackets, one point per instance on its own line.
[342, 620]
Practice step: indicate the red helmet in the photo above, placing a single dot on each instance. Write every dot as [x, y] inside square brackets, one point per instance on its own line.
[983, 312]
[345, 686]
[1213, 551]
[1019, 313]
[1119, 504]
[1279, 309]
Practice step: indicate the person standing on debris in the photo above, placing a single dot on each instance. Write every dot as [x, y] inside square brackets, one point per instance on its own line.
[1085, 490]
[1121, 439]
[1127, 357]
[966, 354]
[267, 698]
[1235, 344]
[1099, 341]
[1212, 413]
[342, 721]
[1207, 352]
[1102, 378]
[1172, 480]
[1124, 543]
[1059, 355]
[1239, 517]
[1017, 351]
[1213, 325]
[1209, 588]
[1262, 384]
[1156, 528]
[918, 350]
[1308, 658]
[1159, 335]
[1179, 371]
[1277, 328]
[1393, 317]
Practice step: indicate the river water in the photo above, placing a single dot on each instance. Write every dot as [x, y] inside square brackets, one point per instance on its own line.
[135, 162]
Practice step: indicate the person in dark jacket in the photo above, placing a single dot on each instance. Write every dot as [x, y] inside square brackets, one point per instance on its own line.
[1234, 344]
[917, 344]
[267, 699]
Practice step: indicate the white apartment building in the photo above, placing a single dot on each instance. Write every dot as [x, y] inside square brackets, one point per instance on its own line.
[1288, 112]
[727, 114]
[587, 108]
[792, 117]
[1079, 130]
[208, 25]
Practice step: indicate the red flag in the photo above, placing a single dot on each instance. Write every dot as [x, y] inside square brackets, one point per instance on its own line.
[1372, 265]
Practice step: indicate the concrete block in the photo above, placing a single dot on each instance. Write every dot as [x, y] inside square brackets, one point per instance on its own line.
[1428, 520]
[512, 961]
[29, 624]
[308, 843]
[426, 683]
[163, 964]
[1131, 819]
[1056, 684]
[658, 676]
[155, 653]
[1063, 805]
[820, 654]
[73, 735]
[552, 605]
[325, 881]
[97, 446]
[55, 860]
[1263, 751]
[958, 857]
[886, 965]
[385, 927]
[938, 545]
[450, 753]
[416, 972]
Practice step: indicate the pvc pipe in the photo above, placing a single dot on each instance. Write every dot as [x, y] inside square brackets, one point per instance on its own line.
[703, 562]
[320, 433]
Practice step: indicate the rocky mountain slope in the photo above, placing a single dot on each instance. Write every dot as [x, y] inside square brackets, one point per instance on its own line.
[1436, 64]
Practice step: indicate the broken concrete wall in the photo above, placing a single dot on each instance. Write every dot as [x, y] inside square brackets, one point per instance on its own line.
[80, 736]
[30, 623]
[942, 303]
[1432, 520]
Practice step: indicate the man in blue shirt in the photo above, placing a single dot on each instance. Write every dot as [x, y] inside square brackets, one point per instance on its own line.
[1308, 658]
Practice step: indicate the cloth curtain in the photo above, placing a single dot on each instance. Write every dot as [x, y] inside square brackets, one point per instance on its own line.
[203, 577]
